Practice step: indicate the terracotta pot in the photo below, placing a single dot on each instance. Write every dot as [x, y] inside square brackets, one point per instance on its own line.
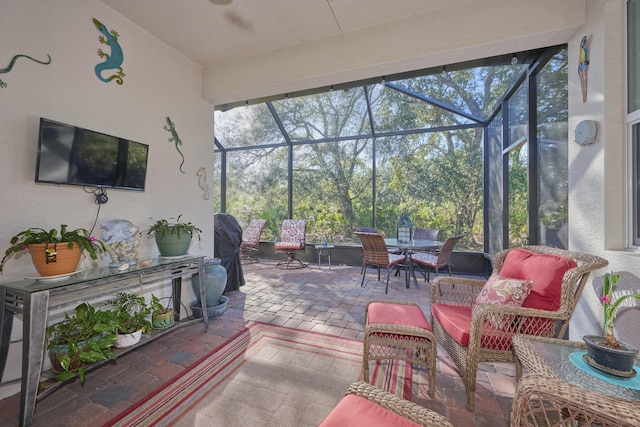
[66, 260]
[617, 359]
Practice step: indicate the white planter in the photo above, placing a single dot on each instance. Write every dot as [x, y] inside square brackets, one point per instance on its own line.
[127, 340]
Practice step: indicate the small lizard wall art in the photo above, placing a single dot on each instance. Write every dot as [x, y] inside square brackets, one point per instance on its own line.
[113, 61]
[12, 63]
[171, 127]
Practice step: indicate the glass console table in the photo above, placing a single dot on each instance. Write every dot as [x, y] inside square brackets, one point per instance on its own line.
[35, 297]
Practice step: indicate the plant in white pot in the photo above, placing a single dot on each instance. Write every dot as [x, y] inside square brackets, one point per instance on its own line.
[129, 318]
[172, 236]
[605, 350]
[54, 252]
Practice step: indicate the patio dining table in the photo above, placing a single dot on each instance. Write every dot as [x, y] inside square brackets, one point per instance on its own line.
[407, 248]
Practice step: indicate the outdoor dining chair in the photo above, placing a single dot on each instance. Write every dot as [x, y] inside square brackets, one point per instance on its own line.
[251, 239]
[375, 254]
[291, 242]
[437, 261]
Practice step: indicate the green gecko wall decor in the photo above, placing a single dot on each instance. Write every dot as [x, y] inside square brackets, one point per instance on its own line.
[113, 61]
[13, 61]
[171, 127]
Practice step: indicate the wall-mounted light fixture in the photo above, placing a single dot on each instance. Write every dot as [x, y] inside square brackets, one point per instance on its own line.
[443, 73]
[514, 59]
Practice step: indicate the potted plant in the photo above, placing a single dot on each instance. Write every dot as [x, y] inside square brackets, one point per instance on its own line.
[172, 236]
[128, 318]
[54, 252]
[161, 316]
[606, 351]
[80, 340]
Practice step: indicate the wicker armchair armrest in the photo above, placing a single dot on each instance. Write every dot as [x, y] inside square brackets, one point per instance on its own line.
[393, 403]
[455, 290]
[509, 320]
[559, 403]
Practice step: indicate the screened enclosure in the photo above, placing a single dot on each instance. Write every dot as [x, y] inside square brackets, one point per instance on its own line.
[476, 148]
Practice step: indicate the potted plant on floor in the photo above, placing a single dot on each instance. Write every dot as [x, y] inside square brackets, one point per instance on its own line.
[162, 316]
[80, 340]
[128, 318]
[172, 236]
[606, 351]
[54, 252]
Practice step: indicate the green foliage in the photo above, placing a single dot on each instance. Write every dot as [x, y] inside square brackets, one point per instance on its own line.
[433, 174]
[80, 339]
[78, 236]
[157, 307]
[173, 226]
[609, 306]
[128, 313]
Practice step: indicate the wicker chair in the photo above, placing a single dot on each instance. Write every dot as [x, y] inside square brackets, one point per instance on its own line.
[365, 404]
[426, 233]
[251, 239]
[549, 402]
[398, 330]
[437, 261]
[291, 242]
[473, 333]
[374, 253]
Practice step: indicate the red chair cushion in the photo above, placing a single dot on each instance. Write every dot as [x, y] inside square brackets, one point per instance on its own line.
[397, 314]
[356, 411]
[546, 270]
[288, 246]
[456, 321]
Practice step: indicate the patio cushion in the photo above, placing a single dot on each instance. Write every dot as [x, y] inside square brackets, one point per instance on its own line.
[502, 290]
[397, 314]
[281, 246]
[456, 321]
[356, 411]
[546, 270]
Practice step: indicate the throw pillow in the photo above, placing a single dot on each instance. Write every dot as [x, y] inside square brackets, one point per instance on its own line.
[502, 290]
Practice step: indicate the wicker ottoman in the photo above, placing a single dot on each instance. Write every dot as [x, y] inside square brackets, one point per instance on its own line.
[399, 330]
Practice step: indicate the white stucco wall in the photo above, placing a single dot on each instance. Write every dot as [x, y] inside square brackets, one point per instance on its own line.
[598, 173]
[159, 82]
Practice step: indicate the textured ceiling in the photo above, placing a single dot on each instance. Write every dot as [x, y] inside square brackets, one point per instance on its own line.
[213, 31]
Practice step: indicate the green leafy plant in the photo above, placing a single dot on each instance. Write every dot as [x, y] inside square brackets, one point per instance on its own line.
[128, 313]
[79, 236]
[80, 340]
[610, 307]
[157, 307]
[162, 227]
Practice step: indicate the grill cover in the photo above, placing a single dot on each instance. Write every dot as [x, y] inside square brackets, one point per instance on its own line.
[228, 237]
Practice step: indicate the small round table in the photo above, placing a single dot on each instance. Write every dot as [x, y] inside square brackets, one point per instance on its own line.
[324, 251]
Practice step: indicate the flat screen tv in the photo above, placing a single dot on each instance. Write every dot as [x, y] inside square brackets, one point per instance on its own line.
[71, 155]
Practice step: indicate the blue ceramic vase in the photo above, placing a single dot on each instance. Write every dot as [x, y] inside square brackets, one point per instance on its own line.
[215, 280]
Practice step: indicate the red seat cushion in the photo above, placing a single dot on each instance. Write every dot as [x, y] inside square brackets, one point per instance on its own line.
[456, 321]
[397, 314]
[288, 246]
[546, 270]
[356, 411]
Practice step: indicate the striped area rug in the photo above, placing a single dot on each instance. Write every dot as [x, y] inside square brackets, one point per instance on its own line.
[265, 376]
